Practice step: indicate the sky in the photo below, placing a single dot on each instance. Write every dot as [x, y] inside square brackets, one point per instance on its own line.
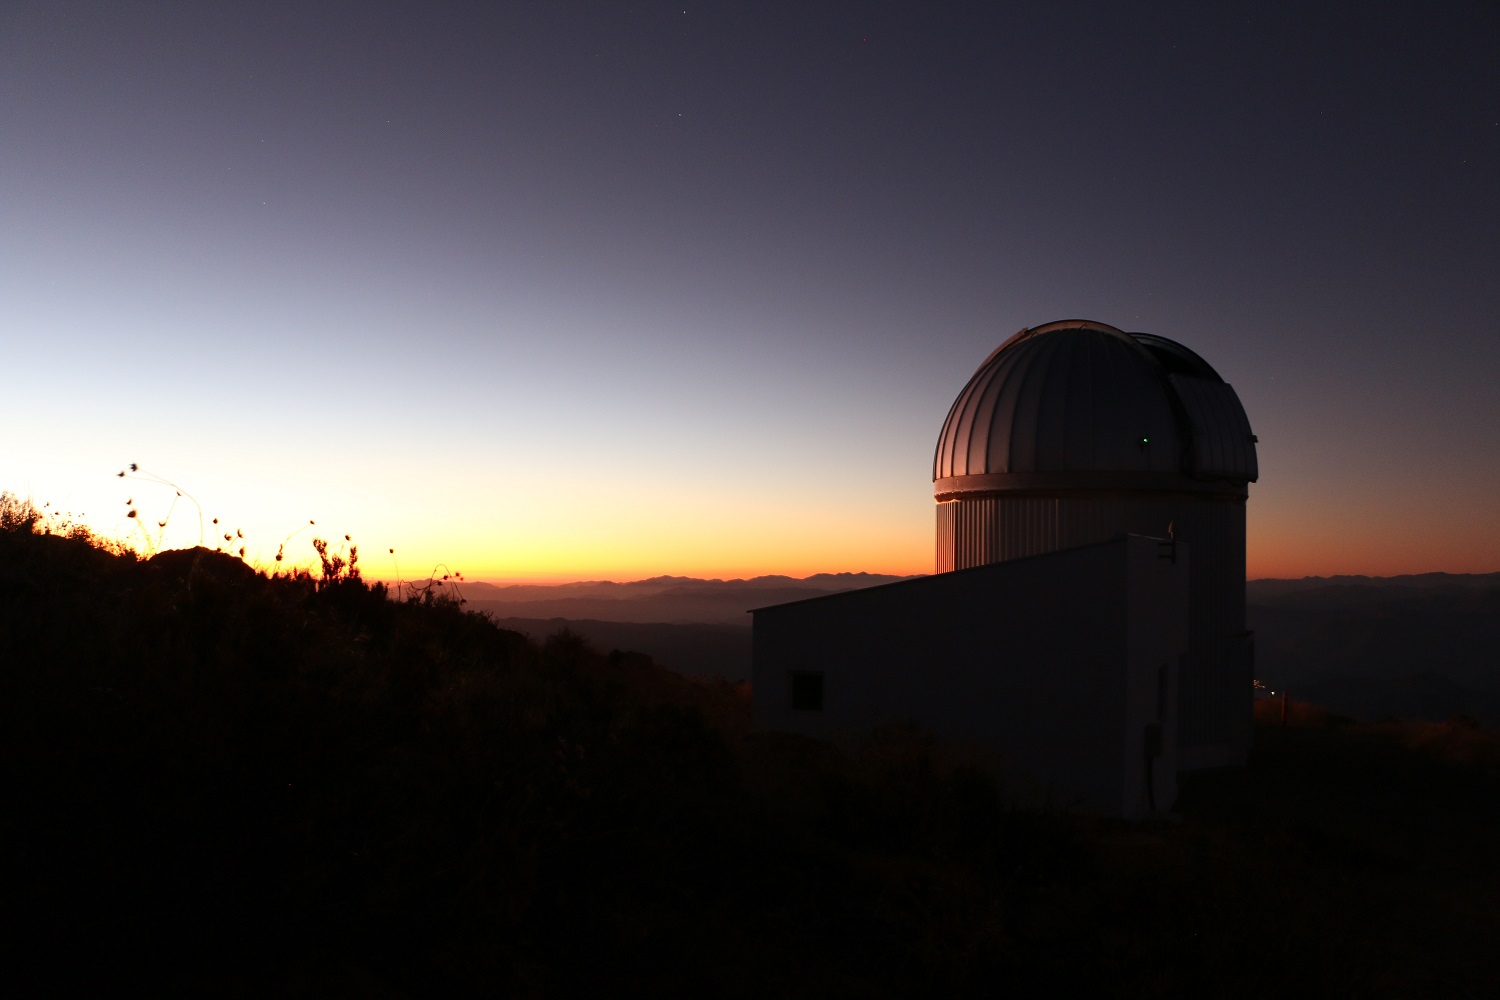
[552, 291]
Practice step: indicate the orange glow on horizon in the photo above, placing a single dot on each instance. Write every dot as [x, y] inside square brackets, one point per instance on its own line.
[1283, 556]
[646, 530]
[726, 563]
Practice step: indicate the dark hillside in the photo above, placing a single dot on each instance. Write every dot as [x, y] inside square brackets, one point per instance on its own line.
[217, 781]
[1412, 647]
[697, 650]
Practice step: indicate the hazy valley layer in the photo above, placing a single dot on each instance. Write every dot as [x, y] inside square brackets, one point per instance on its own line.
[1369, 647]
[668, 599]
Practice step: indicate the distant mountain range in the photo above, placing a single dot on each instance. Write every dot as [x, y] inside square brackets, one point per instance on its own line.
[661, 599]
[1268, 591]
[1425, 646]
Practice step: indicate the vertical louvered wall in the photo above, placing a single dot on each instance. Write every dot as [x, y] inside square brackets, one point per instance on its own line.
[1214, 701]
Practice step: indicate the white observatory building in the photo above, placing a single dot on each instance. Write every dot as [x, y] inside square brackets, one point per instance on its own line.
[1087, 619]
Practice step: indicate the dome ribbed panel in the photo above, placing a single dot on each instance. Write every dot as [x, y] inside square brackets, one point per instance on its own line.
[1006, 389]
[964, 428]
[982, 413]
[1029, 364]
[959, 430]
[1082, 389]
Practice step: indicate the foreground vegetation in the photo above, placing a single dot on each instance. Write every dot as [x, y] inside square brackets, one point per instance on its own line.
[219, 780]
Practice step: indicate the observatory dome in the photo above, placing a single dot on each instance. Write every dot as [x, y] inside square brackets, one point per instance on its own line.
[1079, 405]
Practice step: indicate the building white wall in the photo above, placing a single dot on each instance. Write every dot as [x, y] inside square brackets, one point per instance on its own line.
[1215, 685]
[1053, 662]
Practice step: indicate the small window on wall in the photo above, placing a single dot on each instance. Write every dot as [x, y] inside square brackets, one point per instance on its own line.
[807, 690]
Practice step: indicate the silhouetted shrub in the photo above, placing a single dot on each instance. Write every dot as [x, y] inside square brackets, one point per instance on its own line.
[17, 516]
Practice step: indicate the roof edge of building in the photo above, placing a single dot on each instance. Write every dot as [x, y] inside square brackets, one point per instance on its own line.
[944, 579]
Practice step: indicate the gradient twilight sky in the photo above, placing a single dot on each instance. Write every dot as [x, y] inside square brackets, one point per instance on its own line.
[608, 290]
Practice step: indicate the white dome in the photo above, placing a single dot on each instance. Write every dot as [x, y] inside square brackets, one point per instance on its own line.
[1081, 405]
